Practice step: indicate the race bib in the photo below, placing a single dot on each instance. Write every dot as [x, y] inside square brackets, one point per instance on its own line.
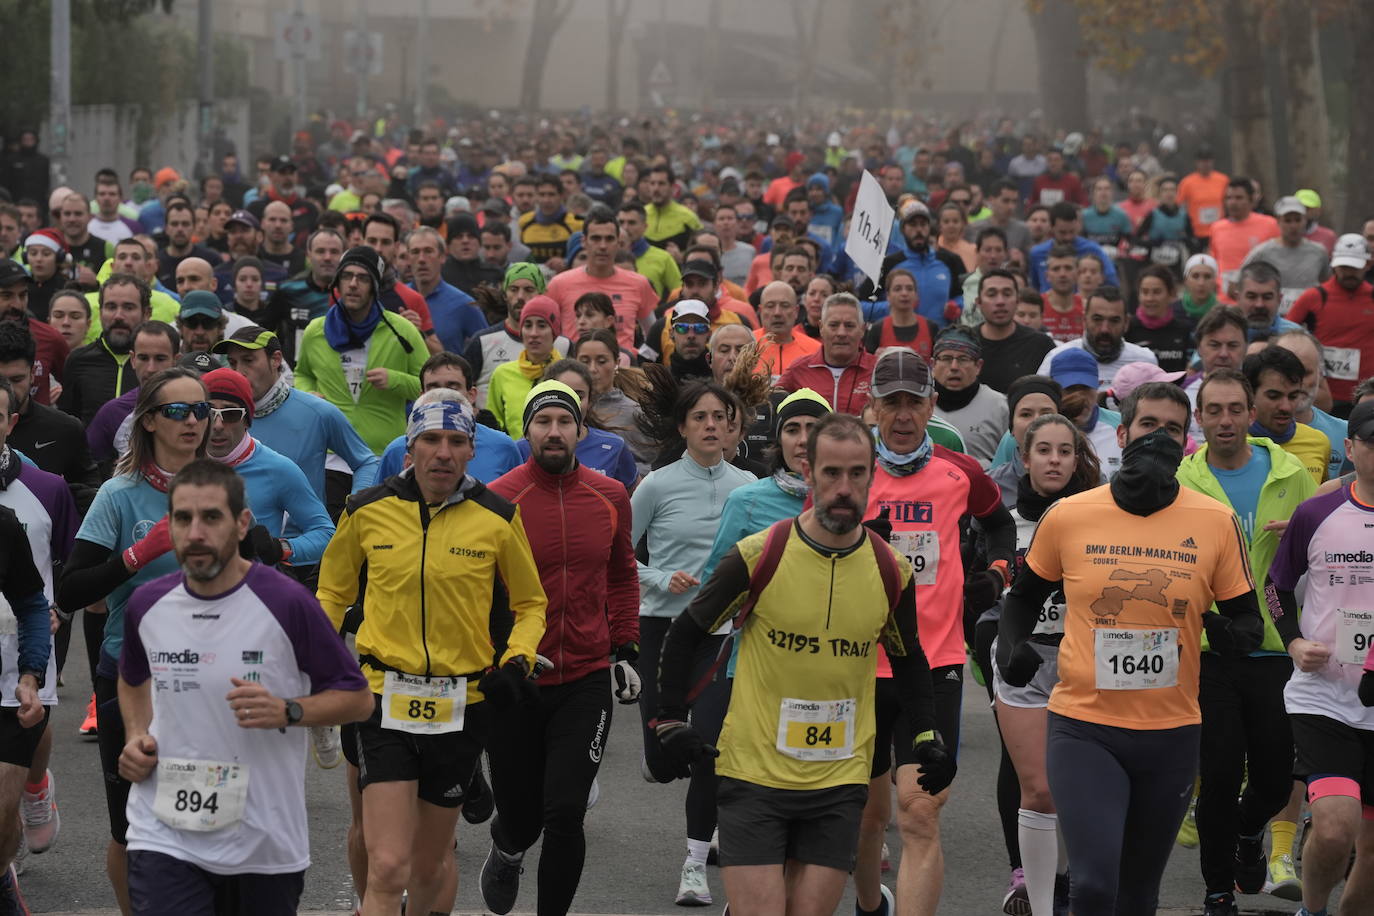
[817, 729]
[1342, 363]
[200, 795]
[922, 549]
[423, 706]
[1051, 196]
[1208, 215]
[354, 364]
[9, 624]
[1051, 620]
[1229, 278]
[1354, 635]
[1135, 659]
[1288, 295]
[1167, 255]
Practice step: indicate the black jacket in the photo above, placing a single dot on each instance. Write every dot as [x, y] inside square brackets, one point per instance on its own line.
[56, 443]
[92, 377]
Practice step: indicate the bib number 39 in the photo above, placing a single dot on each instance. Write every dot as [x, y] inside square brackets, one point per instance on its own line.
[200, 795]
[922, 550]
[423, 706]
[816, 729]
[1136, 659]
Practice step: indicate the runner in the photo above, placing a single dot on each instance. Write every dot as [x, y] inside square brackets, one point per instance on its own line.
[677, 510]
[1245, 733]
[217, 815]
[1122, 746]
[1327, 540]
[794, 801]
[544, 764]
[122, 543]
[418, 749]
[927, 490]
[1059, 462]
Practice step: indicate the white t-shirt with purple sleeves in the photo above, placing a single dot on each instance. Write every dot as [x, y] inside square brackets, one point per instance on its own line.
[1331, 539]
[268, 629]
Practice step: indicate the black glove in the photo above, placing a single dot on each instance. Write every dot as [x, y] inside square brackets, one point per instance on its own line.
[683, 746]
[982, 589]
[506, 686]
[882, 525]
[260, 544]
[624, 675]
[1367, 688]
[1219, 637]
[936, 763]
[1021, 667]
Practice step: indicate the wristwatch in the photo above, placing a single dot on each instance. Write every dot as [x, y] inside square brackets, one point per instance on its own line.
[294, 713]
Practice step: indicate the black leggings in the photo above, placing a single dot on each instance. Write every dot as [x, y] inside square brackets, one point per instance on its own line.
[1008, 784]
[542, 766]
[708, 715]
[1121, 795]
[1244, 728]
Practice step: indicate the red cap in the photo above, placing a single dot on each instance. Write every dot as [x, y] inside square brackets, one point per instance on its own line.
[229, 386]
[546, 308]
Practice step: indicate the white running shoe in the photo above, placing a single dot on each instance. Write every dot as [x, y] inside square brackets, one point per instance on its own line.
[41, 820]
[594, 795]
[692, 889]
[20, 854]
[325, 743]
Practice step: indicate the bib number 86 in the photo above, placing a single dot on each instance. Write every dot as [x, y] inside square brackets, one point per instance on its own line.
[1129, 664]
[192, 801]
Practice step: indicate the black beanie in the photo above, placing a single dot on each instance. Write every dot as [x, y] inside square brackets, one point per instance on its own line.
[1032, 384]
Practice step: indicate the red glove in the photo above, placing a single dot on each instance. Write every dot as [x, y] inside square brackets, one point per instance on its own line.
[953, 312]
[154, 544]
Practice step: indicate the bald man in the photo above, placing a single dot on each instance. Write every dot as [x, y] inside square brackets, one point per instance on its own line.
[195, 273]
[780, 344]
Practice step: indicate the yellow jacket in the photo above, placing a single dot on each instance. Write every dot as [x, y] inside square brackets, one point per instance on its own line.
[430, 578]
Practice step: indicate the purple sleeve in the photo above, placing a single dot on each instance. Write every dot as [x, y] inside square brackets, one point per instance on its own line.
[1290, 562]
[100, 435]
[56, 497]
[320, 651]
[133, 659]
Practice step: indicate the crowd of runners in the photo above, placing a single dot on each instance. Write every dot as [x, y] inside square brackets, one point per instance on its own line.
[425, 452]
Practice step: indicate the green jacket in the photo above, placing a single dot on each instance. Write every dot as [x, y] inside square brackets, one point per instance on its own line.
[658, 267]
[1287, 485]
[379, 414]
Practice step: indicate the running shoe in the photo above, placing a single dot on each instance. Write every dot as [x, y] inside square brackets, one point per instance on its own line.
[713, 854]
[88, 728]
[501, 880]
[1219, 905]
[692, 889]
[11, 901]
[326, 745]
[21, 854]
[885, 864]
[889, 902]
[41, 821]
[478, 802]
[1251, 864]
[1187, 831]
[1283, 882]
[594, 794]
[1016, 902]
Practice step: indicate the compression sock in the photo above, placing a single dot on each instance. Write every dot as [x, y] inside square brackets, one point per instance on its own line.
[1037, 834]
[35, 787]
[1281, 834]
[697, 850]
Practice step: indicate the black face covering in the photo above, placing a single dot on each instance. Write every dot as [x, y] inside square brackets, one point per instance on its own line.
[1147, 480]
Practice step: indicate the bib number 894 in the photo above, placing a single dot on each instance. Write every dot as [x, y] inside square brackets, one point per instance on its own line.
[194, 802]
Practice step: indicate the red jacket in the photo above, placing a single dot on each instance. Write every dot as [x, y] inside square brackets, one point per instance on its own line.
[578, 525]
[50, 357]
[848, 394]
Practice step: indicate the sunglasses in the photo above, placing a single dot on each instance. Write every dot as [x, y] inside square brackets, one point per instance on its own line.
[200, 322]
[180, 410]
[690, 327]
[228, 415]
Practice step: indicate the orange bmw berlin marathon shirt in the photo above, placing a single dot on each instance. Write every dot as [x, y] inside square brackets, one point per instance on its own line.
[1136, 589]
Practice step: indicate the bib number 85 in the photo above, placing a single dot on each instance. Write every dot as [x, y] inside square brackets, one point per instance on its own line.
[422, 709]
[194, 802]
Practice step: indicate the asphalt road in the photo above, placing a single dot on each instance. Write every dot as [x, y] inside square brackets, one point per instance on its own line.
[635, 835]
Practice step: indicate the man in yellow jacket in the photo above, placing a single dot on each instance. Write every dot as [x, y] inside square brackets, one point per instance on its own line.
[433, 541]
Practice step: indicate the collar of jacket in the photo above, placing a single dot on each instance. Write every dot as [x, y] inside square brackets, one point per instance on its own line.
[404, 486]
[550, 481]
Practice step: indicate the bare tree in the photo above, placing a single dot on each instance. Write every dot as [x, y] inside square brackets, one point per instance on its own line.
[806, 16]
[549, 16]
[1252, 129]
[1306, 99]
[1063, 62]
[619, 11]
[1359, 203]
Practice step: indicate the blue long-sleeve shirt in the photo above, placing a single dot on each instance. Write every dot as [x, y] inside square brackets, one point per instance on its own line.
[277, 488]
[494, 453]
[305, 428]
[455, 317]
[1040, 255]
[603, 452]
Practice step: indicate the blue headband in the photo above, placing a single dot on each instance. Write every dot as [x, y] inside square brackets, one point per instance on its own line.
[451, 415]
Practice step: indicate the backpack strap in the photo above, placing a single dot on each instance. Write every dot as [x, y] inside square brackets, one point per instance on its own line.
[887, 567]
[773, 546]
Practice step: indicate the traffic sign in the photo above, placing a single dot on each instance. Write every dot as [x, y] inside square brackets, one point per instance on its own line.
[363, 52]
[296, 36]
